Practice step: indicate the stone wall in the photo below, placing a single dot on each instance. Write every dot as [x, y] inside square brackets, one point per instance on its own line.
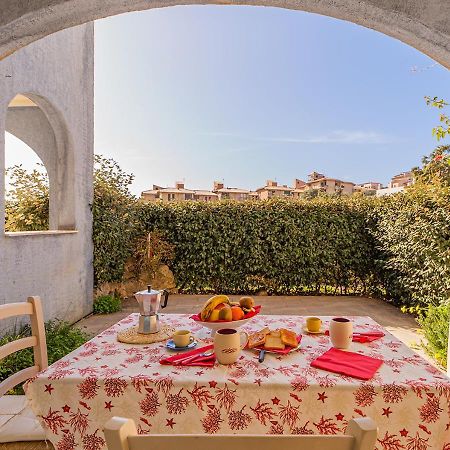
[57, 73]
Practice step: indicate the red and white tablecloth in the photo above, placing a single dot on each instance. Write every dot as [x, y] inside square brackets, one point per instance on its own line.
[408, 398]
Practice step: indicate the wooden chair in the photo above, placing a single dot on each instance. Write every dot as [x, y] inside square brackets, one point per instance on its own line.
[121, 434]
[17, 422]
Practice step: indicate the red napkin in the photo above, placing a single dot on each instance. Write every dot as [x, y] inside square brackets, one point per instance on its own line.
[348, 363]
[276, 350]
[204, 361]
[257, 309]
[366, 336]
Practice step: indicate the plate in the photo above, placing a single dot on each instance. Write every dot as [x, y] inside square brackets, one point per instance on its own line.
[171, 345]
[234, 324]
[321, 331]
[279, 352]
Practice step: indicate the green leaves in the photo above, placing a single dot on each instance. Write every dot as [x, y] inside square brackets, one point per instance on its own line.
[282, 246]
[61, 340]
[106, 304]
[27, 204]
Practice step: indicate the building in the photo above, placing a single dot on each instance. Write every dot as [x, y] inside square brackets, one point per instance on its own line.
[389, 191]
[206, 196]
[318, 181]
[272, 190]
[401, 180]
[231, 193]
[237, 194]
[177, 194]
[371, 185]
[397, 184]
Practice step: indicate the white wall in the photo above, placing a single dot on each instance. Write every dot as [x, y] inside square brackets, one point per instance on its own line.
[57, 74]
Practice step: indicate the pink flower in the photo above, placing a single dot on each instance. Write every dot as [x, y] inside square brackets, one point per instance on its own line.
[439, 157]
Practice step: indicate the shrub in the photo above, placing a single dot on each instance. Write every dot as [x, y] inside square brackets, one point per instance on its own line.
[106, 304]
[27, 204]
[435, 322]
[61, 340]
[114, 225]
[283, 246]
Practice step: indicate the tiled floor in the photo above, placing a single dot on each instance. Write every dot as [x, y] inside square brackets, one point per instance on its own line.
[403, 326]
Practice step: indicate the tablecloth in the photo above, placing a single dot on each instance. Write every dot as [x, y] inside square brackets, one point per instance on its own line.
[408, 397]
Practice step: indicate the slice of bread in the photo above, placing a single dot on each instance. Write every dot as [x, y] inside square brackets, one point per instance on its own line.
[258, 338]
[273, 342]
[288, 337]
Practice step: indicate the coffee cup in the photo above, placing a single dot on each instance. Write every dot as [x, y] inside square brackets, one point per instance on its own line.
[313, 324]
[228, 344]
[341, 333]
[182, 338]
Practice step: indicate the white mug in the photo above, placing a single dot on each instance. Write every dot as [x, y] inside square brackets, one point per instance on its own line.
[228, 344]
[341, 333]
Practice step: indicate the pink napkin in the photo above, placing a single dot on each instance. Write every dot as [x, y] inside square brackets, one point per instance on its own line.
[348, 363]
[204, 361]
[365, 336]
[256, 311]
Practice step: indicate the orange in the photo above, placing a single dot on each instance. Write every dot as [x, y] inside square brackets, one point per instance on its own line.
[237, 313]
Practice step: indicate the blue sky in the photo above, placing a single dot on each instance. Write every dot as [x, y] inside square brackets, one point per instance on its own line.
[245, 94]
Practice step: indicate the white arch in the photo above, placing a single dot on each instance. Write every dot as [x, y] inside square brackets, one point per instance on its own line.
[423, 25]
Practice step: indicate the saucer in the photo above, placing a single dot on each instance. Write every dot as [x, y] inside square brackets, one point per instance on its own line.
[321, 331]
[171, 345]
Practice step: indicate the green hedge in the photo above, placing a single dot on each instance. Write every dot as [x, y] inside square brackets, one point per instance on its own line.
[434, 322]
[413, 233]
[282, 246]
[325, 245]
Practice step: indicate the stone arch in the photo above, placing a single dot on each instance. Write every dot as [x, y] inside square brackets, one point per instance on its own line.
[35, 121]
[423, 25]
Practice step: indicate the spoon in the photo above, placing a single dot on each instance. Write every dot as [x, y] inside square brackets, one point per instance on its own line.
[192, 357]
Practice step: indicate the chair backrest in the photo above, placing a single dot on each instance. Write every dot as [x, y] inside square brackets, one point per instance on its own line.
[121, 434]
[33, 308]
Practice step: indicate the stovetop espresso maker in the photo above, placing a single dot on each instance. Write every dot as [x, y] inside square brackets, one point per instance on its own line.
[149, 304]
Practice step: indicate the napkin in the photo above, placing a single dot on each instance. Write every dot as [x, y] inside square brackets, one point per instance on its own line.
[257, 309]
[204, 361]
[365, 336]
[348, 363]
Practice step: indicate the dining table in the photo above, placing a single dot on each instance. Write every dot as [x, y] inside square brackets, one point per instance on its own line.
[407, 397]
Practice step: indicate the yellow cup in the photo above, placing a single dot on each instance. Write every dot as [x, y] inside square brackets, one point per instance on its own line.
[182, 338]
[313, 324]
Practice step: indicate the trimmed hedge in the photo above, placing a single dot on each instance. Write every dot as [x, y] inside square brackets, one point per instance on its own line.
[282, 246]
[325, 245]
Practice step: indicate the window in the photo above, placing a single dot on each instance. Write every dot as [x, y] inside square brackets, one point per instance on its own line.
[37, 161]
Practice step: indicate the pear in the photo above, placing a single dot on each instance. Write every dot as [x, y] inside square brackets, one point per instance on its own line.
[226, 314]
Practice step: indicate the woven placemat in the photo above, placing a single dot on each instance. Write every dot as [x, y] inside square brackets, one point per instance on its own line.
[131, 335]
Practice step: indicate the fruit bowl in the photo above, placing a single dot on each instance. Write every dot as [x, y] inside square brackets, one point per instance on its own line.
[234, 324]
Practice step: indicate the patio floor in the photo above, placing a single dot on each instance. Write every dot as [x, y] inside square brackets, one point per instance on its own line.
[403, 326]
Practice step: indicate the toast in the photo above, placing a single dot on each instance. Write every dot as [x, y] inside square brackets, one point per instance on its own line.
[273, 343]
[288, 338]
[258, 338]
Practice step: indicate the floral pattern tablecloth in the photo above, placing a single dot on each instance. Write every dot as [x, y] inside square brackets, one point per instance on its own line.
[408, 398]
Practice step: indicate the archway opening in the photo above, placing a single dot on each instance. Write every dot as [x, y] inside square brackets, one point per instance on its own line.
[36, 160]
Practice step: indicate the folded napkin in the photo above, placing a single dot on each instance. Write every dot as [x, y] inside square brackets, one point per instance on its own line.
[204, 361]
[365, 336]
[256, 311]
[348, 363]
